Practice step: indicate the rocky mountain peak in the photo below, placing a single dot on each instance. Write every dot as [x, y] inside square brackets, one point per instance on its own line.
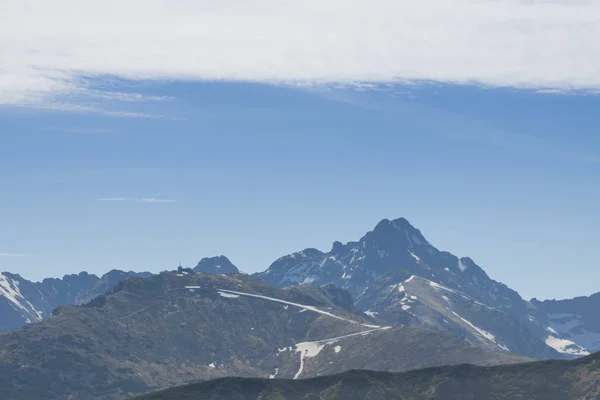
[450, 293]
[337, 247]
[396, 234]
[216, 265]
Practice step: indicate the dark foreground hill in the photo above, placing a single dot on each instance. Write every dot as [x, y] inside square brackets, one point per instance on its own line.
[545, 380]
[174, 328]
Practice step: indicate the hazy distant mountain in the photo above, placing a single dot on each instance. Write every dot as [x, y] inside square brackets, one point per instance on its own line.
[175, 328]
[107, 282]
[577, 320]
[24, 302]
[545, 380]
[216, 265]
[399, 278]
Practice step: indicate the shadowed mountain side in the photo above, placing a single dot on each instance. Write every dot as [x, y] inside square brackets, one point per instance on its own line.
[545, 380]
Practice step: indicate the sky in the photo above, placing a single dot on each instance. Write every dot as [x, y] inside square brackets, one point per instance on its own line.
[171, 131]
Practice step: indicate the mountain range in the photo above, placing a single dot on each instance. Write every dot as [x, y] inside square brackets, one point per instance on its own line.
[172, 328]
[24, 302]
[389, 301]
[398, 277]
[447, 293]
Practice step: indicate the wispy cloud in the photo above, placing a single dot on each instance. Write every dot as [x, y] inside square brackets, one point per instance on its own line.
[122, 96]
[533, 44]
[87, 109]
[153, 200]
[12, 255]
[80, 130]
[142, 200]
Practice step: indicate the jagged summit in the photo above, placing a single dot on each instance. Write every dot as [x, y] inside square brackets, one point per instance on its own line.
[216, 265]
[392, 244]
[454, 293]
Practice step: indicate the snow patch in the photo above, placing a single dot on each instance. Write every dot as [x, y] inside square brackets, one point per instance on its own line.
[308, 280]
[228, 295]
[438, 286]
[461, 266]
[483, 333]
[312, 349]
[405, 307]
[413, 255]
[212, 365]
[337, 349]
[302, 306]
[370, 313]
[275, 374]
[503, 347]
[570, 326]
[307, 350]
[9, 288]
[549, 329]
[409, 279]
[565, 346]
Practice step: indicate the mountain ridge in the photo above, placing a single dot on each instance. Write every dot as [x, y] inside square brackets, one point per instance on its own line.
[172, 328]
[474, 306]
[542, 380]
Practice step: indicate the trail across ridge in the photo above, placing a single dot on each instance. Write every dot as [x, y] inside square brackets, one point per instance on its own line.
[305, 307]
[311, 349]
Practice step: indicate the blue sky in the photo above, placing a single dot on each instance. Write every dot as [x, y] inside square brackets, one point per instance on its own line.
[255, 171]
[166, 131]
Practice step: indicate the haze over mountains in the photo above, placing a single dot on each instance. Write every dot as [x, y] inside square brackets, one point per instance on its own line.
[389, 301]
[24, 302]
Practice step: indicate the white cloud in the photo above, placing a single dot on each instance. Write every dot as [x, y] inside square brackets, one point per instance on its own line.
[120, 96]
[152, 200]
[49, 46]
[11, 255]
